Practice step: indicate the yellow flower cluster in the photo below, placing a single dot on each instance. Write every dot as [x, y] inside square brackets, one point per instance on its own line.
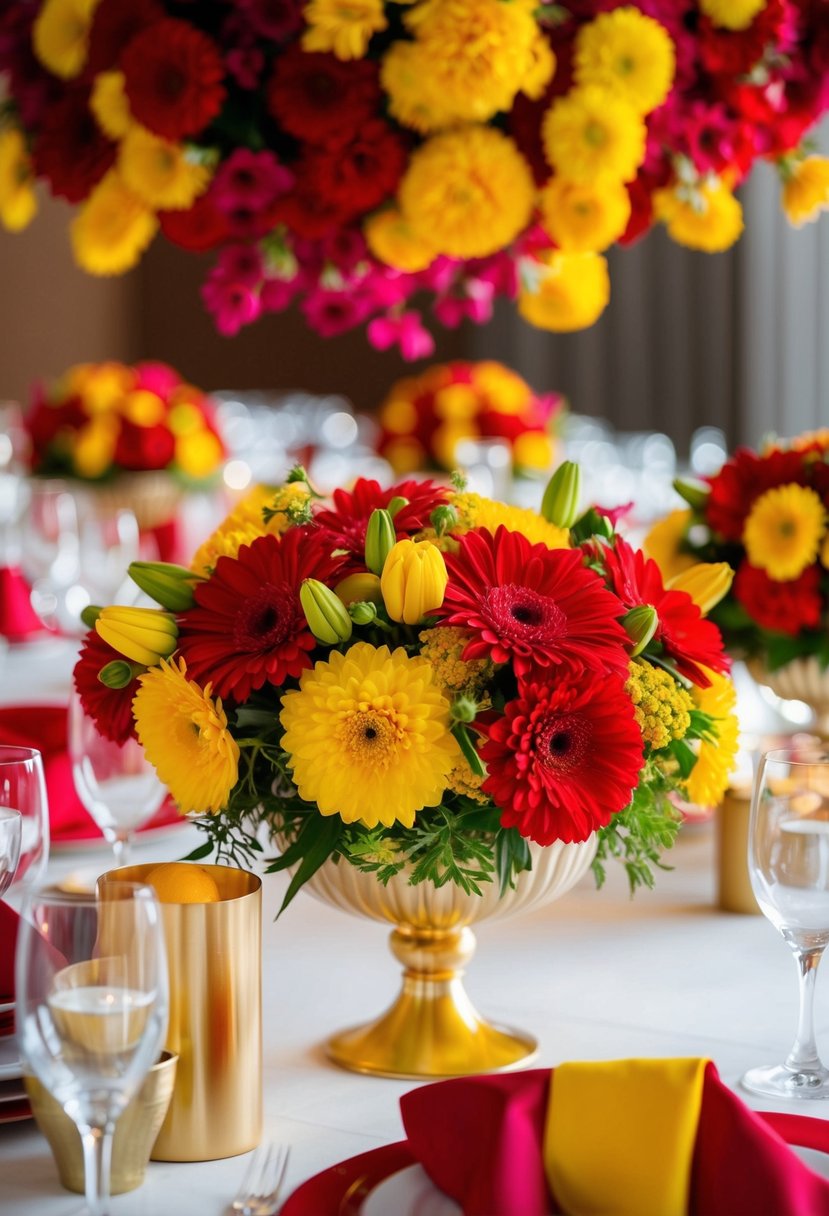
[784, 529]
[662, 707]
[715, 758]
[246, 522]
[474, 511]
[461, 780]
[345, 29]
[18, 203]
[702, 215]
[442, 648]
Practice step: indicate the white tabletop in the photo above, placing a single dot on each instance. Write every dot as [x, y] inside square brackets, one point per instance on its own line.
[594, 975]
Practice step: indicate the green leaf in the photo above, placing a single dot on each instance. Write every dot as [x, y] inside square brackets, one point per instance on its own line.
[201, 850]
[469, 750]
[323, 845]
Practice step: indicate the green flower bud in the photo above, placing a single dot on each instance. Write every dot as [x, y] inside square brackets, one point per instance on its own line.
[694, 491]
[397, 504]
[464, 709]
[169, 585]
[560, 504]
[443, 519]
[380, 540]
[325, 613]
[119, 673]
[90, 614]
[363, 612]
[640, 624]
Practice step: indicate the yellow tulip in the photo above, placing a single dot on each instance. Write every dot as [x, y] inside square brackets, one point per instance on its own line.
[706, 583]
[144, 635]
[359, 588]
[413, 581]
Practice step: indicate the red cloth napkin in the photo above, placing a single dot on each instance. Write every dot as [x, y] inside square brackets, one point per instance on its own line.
[8, 940]
[44, 727]
[480, 1141]
[18, 619]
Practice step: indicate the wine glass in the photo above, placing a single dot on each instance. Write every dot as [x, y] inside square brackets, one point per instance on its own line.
[115, 782]
[23, 788]
[788, 861]
[92, 1006]
[50, 549]
[10, 825]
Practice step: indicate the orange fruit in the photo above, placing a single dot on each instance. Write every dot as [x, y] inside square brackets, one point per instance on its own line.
[182, 882]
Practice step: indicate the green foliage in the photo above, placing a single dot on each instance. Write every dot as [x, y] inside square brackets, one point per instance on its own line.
[639, 834]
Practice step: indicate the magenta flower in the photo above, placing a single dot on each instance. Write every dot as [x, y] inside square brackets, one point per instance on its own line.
[250, 181]
[157, 378]
[276, 294]
[231, 304]
[334, 312]
[475, 305]
[274, 19]
[241, 263]
[405, 331]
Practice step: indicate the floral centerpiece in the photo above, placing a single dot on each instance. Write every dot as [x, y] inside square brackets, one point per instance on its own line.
[424, 417]
[354, 157]
[419, 678]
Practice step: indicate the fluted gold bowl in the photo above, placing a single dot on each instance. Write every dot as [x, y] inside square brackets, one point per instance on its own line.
[432, 1029]
[800, 680]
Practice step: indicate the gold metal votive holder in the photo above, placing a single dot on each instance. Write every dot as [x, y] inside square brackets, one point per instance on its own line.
[135, 1131]
[214, 952]
[734, 893]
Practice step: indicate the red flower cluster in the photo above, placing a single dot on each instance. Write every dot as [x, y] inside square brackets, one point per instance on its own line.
[344, 525]
[109, 708]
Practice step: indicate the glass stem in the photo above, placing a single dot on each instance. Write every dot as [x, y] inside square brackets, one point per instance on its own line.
[121, 849]
[803, 1056]
[97, 1154]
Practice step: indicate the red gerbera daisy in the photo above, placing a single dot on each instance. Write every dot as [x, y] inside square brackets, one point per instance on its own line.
[173, 78]
[201, 227]
[741, 480]
[686, 637]
[345, 525]
[781, 607]
[247, 627]
[565, 757]
[533, 606]
[109, 708]
[70, 150]
[114, 25]
[316, 97]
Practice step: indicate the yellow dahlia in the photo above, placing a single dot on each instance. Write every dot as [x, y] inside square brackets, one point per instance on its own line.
[474, 511]
[412, 100]
[806, 190]
[783, 531]
[584, 218]
[112, 228]
[344, 27]
[664, 543]
[162, 174]
[592, 136]
[715, 758]
[93, 449]
[103, 386]
[391, 239]
[468, 192]
[505, 390]
[661, 706]
[142, 407]
[60, 35]
[629, 54]
[368, 736]
[197, 453]
[110, 104]
[706, 217]
[571, 293]
[183, 731]
[18, 203]
[246, 522]
[732, 14]
[443, 648]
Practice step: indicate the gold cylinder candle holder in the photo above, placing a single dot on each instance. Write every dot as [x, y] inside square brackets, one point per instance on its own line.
[214, 952]
[734, 893]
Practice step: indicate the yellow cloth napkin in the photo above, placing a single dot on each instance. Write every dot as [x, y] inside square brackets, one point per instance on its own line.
[619, 1137]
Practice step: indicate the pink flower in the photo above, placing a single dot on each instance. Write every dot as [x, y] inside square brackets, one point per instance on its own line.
[241, 263]
[276, 294]
[274, 19]
[344, 248]
[405, 331]
[232, 304]
[245, 64]
[250, 181]
[157, 378]
[475, 305]
[333, 312]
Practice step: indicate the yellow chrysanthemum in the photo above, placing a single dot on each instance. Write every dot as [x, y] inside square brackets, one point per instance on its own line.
[112, 228]
[505, 390]
[93, 449]
[390, 238]
[404, 75]
[584, 218]
[571, 293]
[245, 523]
[715, 759]
[160, 173]
[474, 511]
[344, 27]
[534, 450]
[732, 14]
[468, 192]
[143, 407]
[592, 136]
[629, 54]
[661, 706]
[783, 531]
[18, 203]
[664, 543]
[368, 736]
[542, 68]
[443, 647]
[183, 731]
[198, 453]
[103, 386]
[806, 190]
[706, 217]
[110, 104]
[60, 35]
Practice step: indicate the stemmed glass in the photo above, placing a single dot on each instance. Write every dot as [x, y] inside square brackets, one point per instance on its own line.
[10, 825]
[92, 1006]
[115, 782]
[23, 788]
[788, 861]
[50, 550]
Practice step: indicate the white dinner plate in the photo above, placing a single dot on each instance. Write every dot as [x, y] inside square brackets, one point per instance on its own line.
[409, 1192]
[10, 1065]
[6, 1006]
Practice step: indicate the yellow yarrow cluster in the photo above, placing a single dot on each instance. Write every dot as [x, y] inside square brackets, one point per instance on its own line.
[783, 531]
[715, 758]
[461, 780]
[18, 203]
[245, 523]
[704, 216]
[474, 511]
[442, 647]
[662, 707]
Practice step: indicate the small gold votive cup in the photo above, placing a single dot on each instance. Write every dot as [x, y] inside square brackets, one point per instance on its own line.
[734, 893]
[135, 1131]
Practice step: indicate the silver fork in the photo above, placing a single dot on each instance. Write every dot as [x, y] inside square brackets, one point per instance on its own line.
[258, 1194]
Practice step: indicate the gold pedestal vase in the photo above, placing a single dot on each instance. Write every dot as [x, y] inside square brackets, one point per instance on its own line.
[800, 680]
[432, 1029]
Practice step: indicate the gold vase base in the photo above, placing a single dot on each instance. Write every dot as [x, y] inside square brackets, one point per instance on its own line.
[429, 1034]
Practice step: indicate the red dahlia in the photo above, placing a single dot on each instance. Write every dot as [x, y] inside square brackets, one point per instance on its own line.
[247, 627]
[71, 151]
[686, 637]
[317, 97]
[363, 172]
[533, 606]
[344, 527]
[114, 25]
[109, 708]
[201, 227]
[173, 78]
[565, 757]
[781, 607]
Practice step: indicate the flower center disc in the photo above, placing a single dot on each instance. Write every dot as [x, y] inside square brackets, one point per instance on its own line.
[563, 742]
[520, 612]
[265, 619]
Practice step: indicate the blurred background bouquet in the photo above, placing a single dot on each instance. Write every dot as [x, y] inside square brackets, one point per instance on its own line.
[420, 680]
[359, 158]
